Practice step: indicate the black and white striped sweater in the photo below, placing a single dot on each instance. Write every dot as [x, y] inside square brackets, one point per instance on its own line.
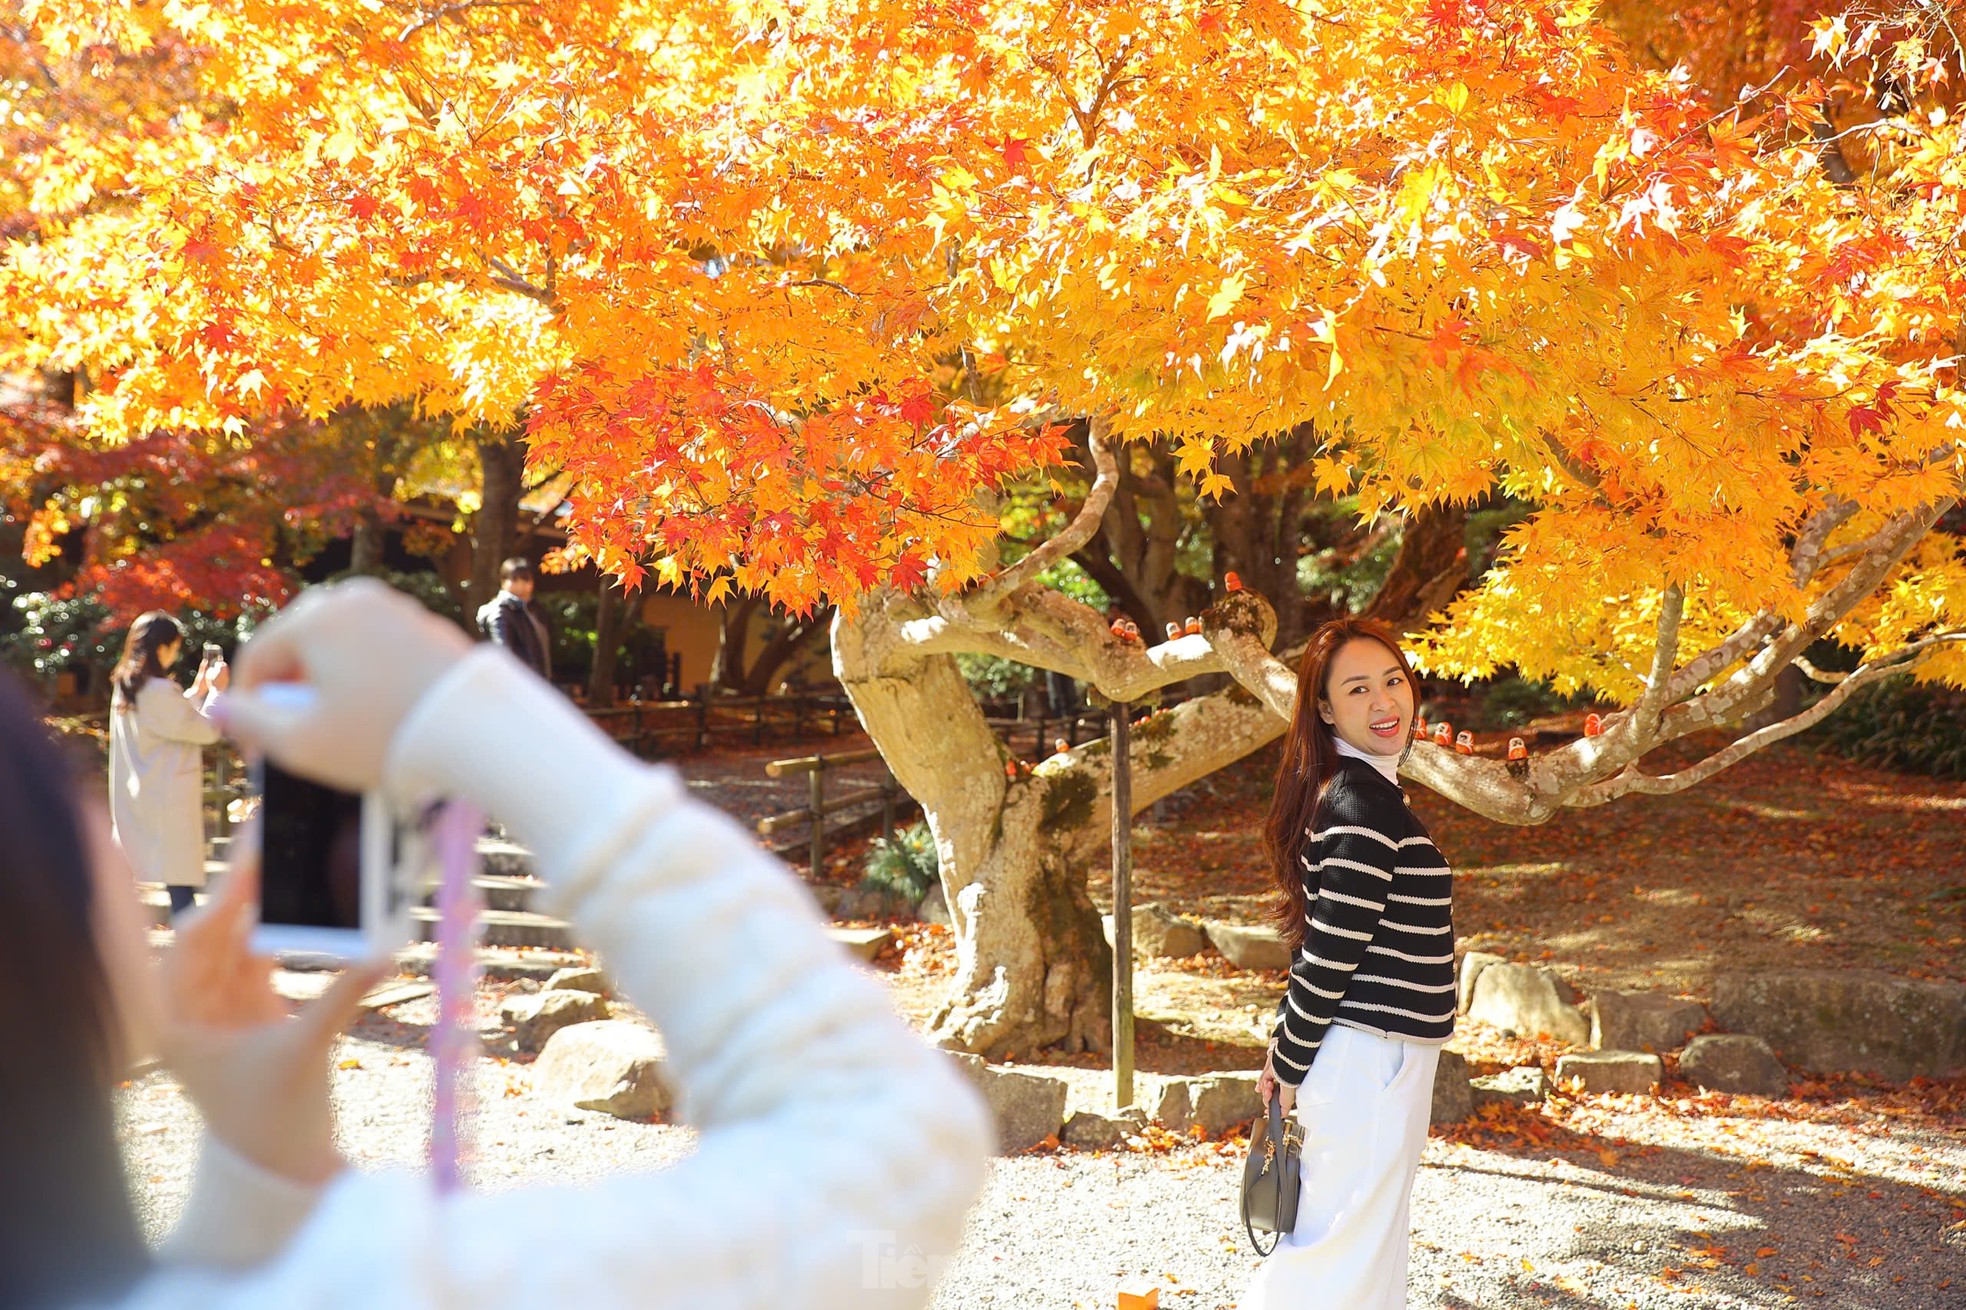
[1378, 950]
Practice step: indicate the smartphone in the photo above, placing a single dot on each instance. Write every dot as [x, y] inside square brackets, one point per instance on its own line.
[338, 872]
[212, 653]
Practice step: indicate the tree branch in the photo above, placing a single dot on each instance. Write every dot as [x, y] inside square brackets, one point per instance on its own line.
[1078, 531]
[1734, 648]
[1815, 532]
[1829, 609]
[1902, 660]
[1652, 702]
[509, 279]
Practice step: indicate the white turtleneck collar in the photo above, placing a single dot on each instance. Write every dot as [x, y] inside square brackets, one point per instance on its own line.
[1388, 765]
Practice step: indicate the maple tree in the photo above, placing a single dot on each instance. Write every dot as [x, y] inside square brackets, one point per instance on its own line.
[794, 293]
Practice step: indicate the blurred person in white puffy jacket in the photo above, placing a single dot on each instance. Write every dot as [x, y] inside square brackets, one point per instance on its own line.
[837, 1152]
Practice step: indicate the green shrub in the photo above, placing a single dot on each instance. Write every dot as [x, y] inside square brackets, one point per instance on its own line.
[904, 865]
[1918, 728]
[993, 678]
[1513, 701]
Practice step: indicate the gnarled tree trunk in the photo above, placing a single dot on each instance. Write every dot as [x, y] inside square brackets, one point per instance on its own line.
[1033, 969]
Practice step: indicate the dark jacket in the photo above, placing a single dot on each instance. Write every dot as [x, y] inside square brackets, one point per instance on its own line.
[512, 623]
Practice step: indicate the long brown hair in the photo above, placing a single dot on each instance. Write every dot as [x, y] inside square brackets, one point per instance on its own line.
[1310, 762]
[139, 663]
[70, 1235]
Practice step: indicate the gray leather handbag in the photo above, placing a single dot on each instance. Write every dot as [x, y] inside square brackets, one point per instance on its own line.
[1271, 1177]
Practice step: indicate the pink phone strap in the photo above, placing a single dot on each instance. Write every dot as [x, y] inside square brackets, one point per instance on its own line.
[454, 1043]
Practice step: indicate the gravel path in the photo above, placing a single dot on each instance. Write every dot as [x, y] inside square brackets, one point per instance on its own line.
[1871, 1217]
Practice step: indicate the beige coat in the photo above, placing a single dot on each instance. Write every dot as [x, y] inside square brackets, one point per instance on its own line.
[156, 783]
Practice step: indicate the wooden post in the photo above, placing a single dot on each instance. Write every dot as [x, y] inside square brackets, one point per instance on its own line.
[887, 807]
[702, 715]
[818, 779]
[758, 724]
[1122, 907]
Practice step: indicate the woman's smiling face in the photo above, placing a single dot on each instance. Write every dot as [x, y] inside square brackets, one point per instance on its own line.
[1367, 700]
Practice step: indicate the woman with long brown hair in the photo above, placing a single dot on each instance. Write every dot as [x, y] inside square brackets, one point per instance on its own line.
[157, 736]
[1369, 916]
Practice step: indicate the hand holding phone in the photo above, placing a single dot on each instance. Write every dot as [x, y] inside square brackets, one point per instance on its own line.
[338, 871]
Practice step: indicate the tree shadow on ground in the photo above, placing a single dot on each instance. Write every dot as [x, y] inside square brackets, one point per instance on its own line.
[1695, 1222]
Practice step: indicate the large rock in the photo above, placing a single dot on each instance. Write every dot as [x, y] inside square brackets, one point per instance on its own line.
[536, 1018]
[1472, 964]
[1029, 1107]
[1528, 1001]
[578, 980]
[1643, 1021]
[1527, 1085]
[1160, 933]
[1453, 1098]
[612, 1066]
[1734, 1062]
[1628, 1073]
[1170, 1102]
[1249, 946]
[1222, 1101]
[1849, 1020]
[1092, 1130]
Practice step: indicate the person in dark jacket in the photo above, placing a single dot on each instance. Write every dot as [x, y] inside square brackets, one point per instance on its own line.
[508, 618]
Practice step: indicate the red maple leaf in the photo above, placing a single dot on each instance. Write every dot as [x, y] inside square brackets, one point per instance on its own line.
[909, 572]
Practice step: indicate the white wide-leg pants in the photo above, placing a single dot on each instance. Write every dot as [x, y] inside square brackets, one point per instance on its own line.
[1364, 1108]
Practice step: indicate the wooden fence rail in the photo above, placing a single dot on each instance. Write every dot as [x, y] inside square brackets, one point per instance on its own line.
[672, 727]
[820, 806]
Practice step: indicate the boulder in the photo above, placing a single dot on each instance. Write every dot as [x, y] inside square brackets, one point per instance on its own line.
[1170, 1103]
[1629, 1073]
[1453, 1098]
[1643, 1021]
[1849, 1020]
[935, 907]
[863, 943]
[612, 1066]
[536, 1018]
[1029, 1107]
[1249, 946]
[1220, 1102]
[1472, 963]
[1528, 1001]
[1527, 1085]
[1734, 1062]
[578, 980]
[1160, 933]
[830, 897]
[1095, 1131]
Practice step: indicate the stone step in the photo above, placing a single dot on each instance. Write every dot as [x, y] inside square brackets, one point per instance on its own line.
[503, 928]
[500, 893]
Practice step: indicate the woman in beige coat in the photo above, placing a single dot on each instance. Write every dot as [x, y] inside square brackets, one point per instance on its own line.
[157, 736]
